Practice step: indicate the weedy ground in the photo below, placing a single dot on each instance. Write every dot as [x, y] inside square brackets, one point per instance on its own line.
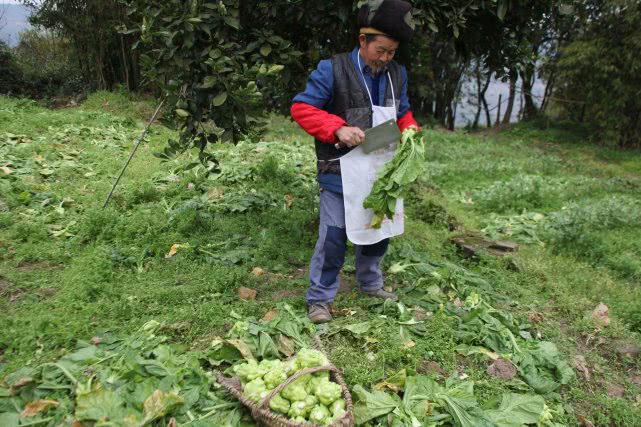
[176, 243]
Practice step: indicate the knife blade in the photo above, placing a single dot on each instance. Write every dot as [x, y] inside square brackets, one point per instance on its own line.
[379, 136]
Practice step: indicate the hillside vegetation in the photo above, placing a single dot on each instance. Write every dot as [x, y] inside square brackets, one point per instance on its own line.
[155, 280]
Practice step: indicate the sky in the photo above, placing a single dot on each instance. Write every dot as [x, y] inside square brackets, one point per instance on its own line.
[14, 21]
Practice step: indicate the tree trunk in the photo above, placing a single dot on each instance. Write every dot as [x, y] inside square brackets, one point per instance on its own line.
[521, 112]
[135, 70]
[440, 110]
[479, 106]
[125, 64]
[456, 94]
[488, 119]
[486, 108]
[450, 119]
[447, 68]
[100, 75]
[548, 91]
[510, 102]
[530, 110]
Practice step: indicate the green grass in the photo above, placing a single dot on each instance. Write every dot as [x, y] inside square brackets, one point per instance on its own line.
[69, 269]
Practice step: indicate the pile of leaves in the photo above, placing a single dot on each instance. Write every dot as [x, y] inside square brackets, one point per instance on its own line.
[142, 380]
[394, 179]
[21, 158]
[251, 339]
[420, 401]
[116, 136]
[483, 331]
[482, 328]
[310, 398]
[524, 228]
[134, 381]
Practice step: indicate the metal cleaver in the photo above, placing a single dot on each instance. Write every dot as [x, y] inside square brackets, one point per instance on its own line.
[379, 136]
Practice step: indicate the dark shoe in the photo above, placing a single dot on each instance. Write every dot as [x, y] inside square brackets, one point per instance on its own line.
[381, 293]
[319, 312]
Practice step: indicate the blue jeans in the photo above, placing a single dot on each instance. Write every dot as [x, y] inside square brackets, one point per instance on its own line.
[329, 254]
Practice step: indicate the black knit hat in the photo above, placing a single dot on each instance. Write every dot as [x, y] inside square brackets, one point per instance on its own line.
[392, 18]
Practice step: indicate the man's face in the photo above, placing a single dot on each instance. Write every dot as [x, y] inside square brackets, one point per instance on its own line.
[379, 52]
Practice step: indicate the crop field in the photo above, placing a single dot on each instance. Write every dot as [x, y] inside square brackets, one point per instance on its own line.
[122, 316]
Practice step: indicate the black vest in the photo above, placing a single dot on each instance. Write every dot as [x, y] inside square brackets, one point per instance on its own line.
[351, 103]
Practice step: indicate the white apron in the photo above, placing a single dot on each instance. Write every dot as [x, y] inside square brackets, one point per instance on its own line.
[358, 171]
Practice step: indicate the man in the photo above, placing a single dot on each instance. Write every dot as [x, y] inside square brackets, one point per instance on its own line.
[344, 96]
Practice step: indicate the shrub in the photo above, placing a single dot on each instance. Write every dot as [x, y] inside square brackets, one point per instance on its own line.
[47, 65]
[520, 192]
[11, 80]
[575, 229]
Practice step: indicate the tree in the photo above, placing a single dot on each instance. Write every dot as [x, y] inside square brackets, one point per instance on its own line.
[481, 89]
[567, 21]
[504, 39]
[599, 73]
[213, 70]
[278, 41]
[214, 59]
[104, 55]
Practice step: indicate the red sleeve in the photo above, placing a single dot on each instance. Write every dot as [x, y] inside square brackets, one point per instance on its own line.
[406, 121]
[318, 123]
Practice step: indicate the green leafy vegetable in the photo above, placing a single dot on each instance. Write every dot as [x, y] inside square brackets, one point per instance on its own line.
[275, 377]
[160, 404]
[338, 407]
[98, 405]
[298, 409]
[327, 392]
[255, 390]
[394, 179]
[517, 409]
[279, 404]
[296, 390]
[309, 358]
[249, 371]
[543, 367]
[373, 405]
[121, 381]
[320, 415]
[425, 402]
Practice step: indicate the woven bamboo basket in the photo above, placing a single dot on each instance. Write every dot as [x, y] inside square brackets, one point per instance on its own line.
[265, 416]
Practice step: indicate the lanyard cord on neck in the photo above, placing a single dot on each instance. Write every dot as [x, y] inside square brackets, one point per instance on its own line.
[360, 69]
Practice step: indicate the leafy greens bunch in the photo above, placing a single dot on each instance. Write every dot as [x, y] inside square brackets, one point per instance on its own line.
[394, 179]
[134, 381]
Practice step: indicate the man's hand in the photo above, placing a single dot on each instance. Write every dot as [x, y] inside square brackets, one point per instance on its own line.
[350, 136]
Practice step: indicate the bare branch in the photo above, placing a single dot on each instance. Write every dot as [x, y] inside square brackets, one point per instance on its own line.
[3, 12]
